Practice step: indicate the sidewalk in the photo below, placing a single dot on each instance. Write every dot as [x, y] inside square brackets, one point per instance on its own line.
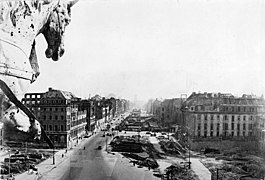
[47, 165]
[199, 169]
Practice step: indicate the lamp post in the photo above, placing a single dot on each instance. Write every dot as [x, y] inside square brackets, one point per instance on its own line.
[53, 157]
[9, 163]
[106, 143]
[188, 145]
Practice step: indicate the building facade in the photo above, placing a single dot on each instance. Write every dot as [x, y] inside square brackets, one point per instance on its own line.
[222, 120]
[59, 114]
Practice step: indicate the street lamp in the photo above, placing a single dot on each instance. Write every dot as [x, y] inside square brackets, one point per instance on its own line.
[106, 143]
[9, 163]
[53, 157]
[188, 145]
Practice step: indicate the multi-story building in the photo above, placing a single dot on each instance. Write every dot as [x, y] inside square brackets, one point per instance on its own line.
[222, 120]
[58, 113]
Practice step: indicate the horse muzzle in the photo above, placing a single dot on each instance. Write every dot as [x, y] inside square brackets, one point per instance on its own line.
[54, 54]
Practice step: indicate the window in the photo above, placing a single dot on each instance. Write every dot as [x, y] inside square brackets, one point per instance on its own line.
[226, 126]
[211, 126]
[56, 109]
[238, 117]
[205, 126]
[244, 126]
[50, 117]
[44, 117]
[232, 126]
[62, 117]
[50, 109]
[232, 133]
[56, 117]
[199, 126]
[56, 128]
[50, 127]
[211, 117]
[205, 116]
[218, 117]
[238, 127]
[211, 134]
[225, 117]
[233, 118]
[62, 127]
[199, 117]
[238, 109]
[244, 118]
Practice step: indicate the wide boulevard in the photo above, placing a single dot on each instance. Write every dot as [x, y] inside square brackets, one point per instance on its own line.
[90, 163]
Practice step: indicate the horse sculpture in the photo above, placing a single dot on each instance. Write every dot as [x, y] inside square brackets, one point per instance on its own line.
[21, 21]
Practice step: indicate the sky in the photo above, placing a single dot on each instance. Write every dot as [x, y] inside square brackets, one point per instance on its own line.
[159, 49]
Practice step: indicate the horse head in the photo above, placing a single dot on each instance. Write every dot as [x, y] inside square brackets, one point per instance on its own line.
[54, 29]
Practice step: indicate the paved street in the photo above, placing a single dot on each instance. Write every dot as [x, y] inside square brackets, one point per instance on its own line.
[93, 164]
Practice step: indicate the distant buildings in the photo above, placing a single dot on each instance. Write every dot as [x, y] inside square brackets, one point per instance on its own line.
[168, 112]
[214, 120]
[66, 118]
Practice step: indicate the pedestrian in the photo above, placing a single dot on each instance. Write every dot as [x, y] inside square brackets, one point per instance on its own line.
[65, 151]
[62, 155]
[84, 148]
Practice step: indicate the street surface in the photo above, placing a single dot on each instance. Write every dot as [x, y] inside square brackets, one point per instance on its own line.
[93, 164]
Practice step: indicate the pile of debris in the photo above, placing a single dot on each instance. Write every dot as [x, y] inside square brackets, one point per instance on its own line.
[141, 161]
[172, 147]
[21, 162]
[176, 171]
[237, 166]
[126, 144]
[137, 149]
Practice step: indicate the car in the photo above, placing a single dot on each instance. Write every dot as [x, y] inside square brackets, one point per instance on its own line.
[163, 133]
[99, 147]
[147, 133]
[86, 136]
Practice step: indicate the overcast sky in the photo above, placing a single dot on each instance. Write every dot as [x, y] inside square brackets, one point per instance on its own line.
[159, 48]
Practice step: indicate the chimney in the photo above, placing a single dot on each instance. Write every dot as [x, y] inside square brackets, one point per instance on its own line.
[50, 89]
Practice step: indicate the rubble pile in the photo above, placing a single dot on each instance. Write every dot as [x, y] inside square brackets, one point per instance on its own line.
[141, 161]
[141, 151]
[21, 162]
[177, 171]
[172, 147]
[126, 144]
[237, 166]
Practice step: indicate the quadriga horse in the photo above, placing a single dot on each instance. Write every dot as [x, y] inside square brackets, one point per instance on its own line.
[21, 21]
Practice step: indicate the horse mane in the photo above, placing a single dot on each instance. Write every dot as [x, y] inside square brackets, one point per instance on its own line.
[15, 9]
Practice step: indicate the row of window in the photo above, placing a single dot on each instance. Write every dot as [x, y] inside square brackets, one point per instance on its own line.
[225, 117]
[55, 109]
[55, 117]
[31, 96]
[51, 127]
[238, 109]
[61, 101]
[226, 134]
[225, 126]
[224, 108]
